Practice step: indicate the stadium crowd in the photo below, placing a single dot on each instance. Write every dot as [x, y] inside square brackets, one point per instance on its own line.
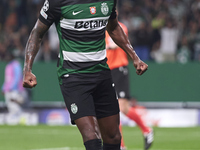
[159, 30]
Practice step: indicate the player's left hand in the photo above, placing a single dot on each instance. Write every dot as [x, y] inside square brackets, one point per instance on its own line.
[140, 67]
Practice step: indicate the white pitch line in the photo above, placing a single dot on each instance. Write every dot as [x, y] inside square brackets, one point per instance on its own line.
[61, 148]
[79, 148]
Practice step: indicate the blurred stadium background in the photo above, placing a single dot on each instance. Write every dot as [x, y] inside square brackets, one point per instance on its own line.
[168, 92]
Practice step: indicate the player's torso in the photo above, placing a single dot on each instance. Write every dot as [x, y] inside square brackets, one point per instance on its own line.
[81, 30]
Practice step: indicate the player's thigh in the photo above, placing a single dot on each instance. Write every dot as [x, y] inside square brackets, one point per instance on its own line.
[88, 127]
[124, 105]
[109, 127]
[107, 111]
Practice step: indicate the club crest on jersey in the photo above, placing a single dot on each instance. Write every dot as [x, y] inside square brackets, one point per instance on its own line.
[93, 10]
[74, 108]
[104, 8]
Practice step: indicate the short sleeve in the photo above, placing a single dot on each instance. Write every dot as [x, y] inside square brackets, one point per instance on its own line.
[50, 12]
[113, 13]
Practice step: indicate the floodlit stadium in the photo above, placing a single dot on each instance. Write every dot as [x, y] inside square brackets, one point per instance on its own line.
[165, 35]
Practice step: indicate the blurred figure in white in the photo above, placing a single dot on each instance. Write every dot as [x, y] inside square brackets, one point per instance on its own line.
[169, 41]
[13, 90]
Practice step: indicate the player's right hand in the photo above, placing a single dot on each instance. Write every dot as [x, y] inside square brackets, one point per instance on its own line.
[29, 80]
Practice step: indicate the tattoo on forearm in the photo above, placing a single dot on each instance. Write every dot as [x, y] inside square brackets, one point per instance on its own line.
[33, 44]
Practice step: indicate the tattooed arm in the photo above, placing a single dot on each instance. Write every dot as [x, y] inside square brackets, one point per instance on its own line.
[32, 47]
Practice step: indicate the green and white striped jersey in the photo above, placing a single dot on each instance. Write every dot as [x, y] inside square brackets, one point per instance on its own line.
[81, 26]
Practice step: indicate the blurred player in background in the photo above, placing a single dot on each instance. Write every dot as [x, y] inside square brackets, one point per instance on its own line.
[13, 90]
[118, 62]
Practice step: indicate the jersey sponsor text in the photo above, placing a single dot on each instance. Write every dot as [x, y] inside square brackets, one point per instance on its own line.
[90, 24]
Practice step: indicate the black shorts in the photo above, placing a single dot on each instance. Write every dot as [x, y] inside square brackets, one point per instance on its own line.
[90, 95]
[120, 78]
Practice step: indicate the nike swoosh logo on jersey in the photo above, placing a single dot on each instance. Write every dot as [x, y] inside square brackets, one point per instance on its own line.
[75, 13]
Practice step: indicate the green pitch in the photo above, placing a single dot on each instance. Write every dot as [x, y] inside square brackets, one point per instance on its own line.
[68, 138]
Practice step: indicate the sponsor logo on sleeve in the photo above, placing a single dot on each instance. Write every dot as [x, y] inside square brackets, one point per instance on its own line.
[44, 9]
